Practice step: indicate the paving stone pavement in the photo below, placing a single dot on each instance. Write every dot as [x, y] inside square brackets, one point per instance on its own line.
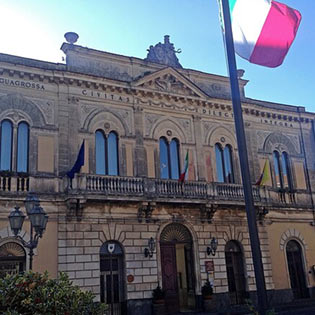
[300, 311]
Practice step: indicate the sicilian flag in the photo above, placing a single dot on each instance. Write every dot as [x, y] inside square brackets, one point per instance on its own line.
[184, 174]
[78, 163]
[263, 30]
[265, 175]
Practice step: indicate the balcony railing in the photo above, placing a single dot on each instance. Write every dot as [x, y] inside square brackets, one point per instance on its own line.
[14, 182]
[160, 188]
[140, 188]
[172, 188]
[115, 185]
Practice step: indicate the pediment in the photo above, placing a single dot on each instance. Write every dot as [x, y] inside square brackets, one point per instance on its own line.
[170, 81]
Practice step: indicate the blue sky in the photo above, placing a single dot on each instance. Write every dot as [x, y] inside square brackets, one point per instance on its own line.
[35, 29]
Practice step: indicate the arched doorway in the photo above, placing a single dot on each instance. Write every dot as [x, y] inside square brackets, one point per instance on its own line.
[235, 272]
[178, 278]
[112, 277]
[296, 270]
[12, 258]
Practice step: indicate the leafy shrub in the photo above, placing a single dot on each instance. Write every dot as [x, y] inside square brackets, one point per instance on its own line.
[158, 294]
[33, 294]
[206, 289]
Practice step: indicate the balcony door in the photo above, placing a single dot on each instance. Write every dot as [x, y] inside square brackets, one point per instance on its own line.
[177, 268]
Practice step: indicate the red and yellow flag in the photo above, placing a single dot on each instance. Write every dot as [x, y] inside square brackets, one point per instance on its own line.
[265, 175]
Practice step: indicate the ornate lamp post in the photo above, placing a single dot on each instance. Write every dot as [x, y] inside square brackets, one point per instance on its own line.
[38, 220]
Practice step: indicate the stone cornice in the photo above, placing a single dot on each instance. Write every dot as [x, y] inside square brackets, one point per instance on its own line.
[107, 85]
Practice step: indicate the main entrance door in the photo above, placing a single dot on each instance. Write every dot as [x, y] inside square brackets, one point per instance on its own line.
[177, 268]
[296, 270]
[112, 277]
[235, 272]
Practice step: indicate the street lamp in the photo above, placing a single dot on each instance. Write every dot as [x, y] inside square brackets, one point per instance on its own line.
[213, 247]
[38, 220]
[148, 252]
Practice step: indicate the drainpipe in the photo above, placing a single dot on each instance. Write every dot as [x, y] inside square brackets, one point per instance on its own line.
[308, 180]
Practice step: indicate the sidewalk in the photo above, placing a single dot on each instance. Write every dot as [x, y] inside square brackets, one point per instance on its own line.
[279, 310]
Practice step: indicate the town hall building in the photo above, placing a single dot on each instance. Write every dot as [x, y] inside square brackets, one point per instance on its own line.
[125, 224]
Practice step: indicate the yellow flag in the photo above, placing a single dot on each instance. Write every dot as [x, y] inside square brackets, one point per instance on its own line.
[265, 175]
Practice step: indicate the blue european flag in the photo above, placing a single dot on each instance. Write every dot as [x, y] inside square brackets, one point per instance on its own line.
[78, 163]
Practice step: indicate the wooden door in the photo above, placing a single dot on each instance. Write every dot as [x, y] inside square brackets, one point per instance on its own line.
[235, 273]
[296, 270]
[169, 277]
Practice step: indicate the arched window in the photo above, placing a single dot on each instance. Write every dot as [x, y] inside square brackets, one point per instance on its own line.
[228, 166]
[282, 169]
[174, 158]
[106, 153]
[22, 147]
[12, 259]
[286, 170]
[164, 165]
[6, 146]
[224, 164]
[277, 167]
[112, 153]
[219, 163]
[169, 159]
[100, 155]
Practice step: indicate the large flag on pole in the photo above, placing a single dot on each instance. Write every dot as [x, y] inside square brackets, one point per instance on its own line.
[263, 30]
[242, 151]
[78, 163]
[184, 174]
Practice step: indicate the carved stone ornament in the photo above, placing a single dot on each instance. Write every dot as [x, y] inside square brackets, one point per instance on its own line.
[150, 120]
[145, 211]
[261, 212]
[164, 53]
[75, 208]
[207, 212]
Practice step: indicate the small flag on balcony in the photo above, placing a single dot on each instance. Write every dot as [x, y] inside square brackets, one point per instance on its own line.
[184, 174]
[78, 163]
[265, 175]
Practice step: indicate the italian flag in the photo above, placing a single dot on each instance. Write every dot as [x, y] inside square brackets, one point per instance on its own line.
[263, 30]
[183, 175]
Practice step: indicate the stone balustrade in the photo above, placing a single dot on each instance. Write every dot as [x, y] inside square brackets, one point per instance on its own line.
[14, 182]
[142, 188]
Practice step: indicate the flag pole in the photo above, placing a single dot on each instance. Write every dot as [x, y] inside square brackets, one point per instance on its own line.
[242, 150]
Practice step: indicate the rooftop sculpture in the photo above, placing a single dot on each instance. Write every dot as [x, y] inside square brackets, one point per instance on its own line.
[164, 53]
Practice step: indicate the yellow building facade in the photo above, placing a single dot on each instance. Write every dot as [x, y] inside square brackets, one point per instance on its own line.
[125, 223]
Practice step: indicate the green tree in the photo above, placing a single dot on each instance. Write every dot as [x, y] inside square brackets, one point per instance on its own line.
[34, 293]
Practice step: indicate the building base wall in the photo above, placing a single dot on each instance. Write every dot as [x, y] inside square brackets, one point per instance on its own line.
[141, 306]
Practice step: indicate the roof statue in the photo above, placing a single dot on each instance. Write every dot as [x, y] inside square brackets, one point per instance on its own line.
[164, 53]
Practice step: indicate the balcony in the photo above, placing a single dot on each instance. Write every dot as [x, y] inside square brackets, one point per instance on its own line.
[14, 184]
[165, 191]
[118, 188]
[130, 188]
